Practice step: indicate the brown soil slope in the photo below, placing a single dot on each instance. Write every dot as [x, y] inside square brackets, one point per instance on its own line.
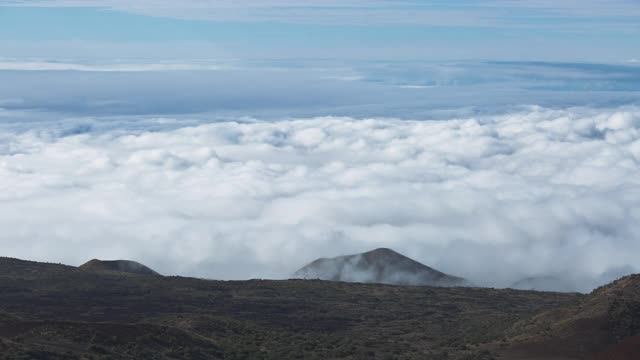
[602, 324]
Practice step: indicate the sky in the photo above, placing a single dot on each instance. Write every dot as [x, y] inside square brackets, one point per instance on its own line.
[566, 30]
[490, 139]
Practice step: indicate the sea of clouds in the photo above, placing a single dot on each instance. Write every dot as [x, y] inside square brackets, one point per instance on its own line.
[490, 198]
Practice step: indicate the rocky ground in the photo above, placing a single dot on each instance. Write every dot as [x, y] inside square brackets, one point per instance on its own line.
[51, 311]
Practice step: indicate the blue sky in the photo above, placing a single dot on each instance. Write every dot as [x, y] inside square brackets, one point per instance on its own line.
[584, 31]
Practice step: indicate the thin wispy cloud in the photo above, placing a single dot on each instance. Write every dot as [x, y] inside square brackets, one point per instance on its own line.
[586, 31]
[583, 8]
[107, 67]
[489, 13]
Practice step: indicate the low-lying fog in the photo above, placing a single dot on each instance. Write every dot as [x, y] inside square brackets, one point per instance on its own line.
[495, 194]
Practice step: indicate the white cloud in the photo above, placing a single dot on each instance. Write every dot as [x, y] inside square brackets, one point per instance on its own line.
[492, 199]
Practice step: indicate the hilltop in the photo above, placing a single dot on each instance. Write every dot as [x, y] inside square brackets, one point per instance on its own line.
[125, 266]
[383, 266]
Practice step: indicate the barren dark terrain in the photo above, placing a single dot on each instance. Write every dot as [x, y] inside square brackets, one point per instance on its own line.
[50, 311]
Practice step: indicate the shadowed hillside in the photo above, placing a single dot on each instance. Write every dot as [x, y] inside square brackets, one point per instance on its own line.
[383, 266]
[50, 311]
[605, 324]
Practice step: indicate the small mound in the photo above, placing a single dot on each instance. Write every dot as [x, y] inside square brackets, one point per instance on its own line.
[125, 266]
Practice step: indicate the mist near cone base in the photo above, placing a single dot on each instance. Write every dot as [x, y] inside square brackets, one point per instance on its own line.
[380, 266]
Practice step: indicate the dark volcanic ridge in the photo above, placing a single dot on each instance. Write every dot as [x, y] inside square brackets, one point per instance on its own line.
[543, 283]
[383, 266]
[123, 266]
[53, 311]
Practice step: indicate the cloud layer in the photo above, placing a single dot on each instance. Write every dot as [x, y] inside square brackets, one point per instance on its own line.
[492, 199]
